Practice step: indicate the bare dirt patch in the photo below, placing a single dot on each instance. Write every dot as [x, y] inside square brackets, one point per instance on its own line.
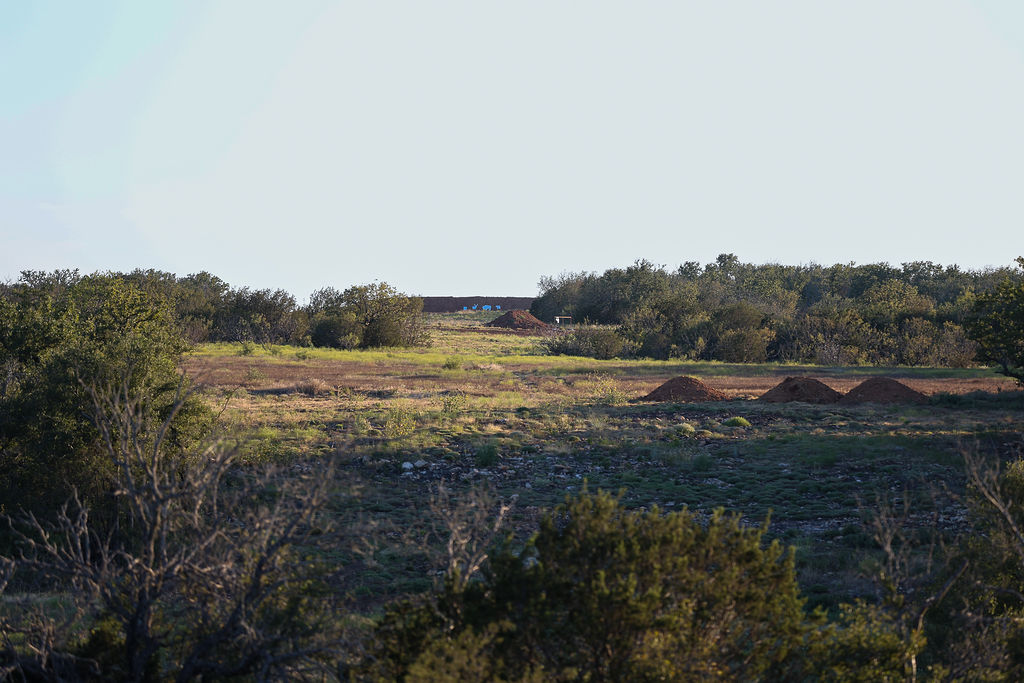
[882, 390]
[802, 389]
[685, 390]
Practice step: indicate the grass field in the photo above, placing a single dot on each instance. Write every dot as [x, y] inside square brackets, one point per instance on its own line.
[483, 407]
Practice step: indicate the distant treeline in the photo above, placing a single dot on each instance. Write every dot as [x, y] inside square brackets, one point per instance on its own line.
[205, 308]
[915, 314]
[920, 313]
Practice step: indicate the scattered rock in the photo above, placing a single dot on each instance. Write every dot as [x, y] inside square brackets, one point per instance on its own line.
[882, 390]
[802, 389]
[420, 464]
[407, 466]
[685, 390]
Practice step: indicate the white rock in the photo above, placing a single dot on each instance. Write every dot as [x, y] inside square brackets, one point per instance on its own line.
[420, 464]
[407, 466]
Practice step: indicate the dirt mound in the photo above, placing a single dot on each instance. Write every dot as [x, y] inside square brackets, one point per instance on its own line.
[685, 390]
[518, 320]
[882, 390]
[803, 389]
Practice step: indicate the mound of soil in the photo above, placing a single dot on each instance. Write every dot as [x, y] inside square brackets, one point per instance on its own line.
[685, 390]
[519, 320]
[882, 390]
[803, 389]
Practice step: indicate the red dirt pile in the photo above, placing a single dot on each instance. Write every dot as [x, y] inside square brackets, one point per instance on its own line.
[803, 389]
[882, 390]
[685, 390]
[519, 320]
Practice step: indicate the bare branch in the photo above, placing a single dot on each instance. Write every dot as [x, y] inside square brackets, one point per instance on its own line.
[468, 527]
[206, 544]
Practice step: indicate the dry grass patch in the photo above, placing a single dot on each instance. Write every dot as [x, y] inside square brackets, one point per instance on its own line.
[313, 386]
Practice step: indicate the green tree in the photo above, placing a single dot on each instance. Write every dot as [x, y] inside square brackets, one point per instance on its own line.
[668, 327]
[737, 334]
[263, 316]
[59, 336]
[998, 326]
[559, 295]
[891, 301]
[384, 316]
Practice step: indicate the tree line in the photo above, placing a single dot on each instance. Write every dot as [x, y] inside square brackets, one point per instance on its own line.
[920, 313]
[205, 308]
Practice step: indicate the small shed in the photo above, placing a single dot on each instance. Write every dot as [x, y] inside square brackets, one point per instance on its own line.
[563, 320]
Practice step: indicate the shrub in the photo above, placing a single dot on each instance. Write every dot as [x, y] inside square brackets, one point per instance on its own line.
[385, 316]
[602, 343]
[603, 593]
[313, 387]
[487, 455]
[263, 316]
[366, 316]
[744, 346]
[336, 331]
[205, 578]
[453, 403]
[398, 422]
[254, 375]
[604, 389]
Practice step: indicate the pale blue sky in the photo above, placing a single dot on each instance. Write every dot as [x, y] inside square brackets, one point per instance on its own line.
[472, 147]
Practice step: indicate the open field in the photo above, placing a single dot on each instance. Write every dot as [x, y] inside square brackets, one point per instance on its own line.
[479, 407]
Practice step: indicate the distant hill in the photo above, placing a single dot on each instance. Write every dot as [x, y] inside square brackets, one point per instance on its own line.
[450, 304]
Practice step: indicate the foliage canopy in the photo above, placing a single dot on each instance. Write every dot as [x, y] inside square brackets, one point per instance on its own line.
[61, 334]
[603, 593]
[998, 326]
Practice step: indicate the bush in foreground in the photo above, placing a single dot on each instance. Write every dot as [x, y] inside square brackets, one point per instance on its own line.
[603, 593]
[209, 576]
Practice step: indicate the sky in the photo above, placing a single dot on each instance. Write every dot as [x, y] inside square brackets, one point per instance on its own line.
[470, 148]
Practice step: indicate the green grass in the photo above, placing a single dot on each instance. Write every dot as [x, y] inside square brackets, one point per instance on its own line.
[474, 349]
